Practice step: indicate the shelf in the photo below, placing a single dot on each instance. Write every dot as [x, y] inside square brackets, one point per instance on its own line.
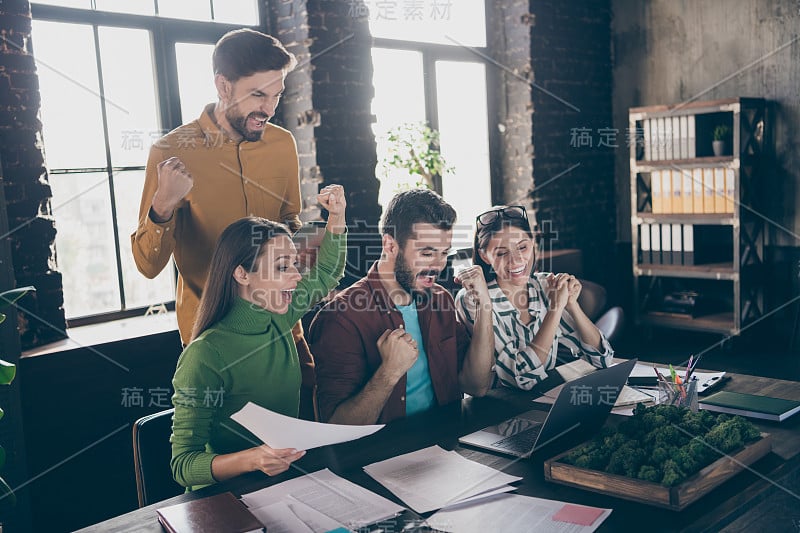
[717, 323]
[725, 161]
[699, 219]
[721, 271]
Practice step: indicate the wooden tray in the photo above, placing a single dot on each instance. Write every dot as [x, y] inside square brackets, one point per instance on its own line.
[675, 498]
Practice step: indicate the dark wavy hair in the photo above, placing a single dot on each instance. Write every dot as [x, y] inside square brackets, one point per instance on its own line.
[240, 244]
[416, 206]
[484, 234]
[242, 53]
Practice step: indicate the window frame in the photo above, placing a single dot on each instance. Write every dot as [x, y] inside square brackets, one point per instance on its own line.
[433, 52]
[165, 33]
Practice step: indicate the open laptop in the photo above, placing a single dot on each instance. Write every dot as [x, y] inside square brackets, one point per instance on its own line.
[582, 405]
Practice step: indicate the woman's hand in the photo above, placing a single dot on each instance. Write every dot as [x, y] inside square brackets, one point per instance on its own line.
[272, 461]
[558, 291]
[574, 287]
[332, 198]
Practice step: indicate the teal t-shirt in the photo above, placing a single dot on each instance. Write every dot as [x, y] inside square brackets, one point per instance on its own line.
[419, 389]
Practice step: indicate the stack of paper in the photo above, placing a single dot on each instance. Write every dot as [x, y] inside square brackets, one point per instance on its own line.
[512, 513]
[318, 502]
[433, 478]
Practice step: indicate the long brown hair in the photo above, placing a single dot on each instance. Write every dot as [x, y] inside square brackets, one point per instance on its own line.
[240, 244]
[484, 234]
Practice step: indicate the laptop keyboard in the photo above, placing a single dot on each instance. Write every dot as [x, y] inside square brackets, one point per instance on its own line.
[521, 442]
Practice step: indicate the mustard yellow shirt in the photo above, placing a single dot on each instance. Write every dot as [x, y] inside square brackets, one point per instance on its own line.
[231, 180]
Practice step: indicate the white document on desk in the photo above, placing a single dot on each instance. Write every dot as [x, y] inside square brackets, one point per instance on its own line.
[510, 513]
[432, 478]
[705, 380]
[340, 500]
[280, 431]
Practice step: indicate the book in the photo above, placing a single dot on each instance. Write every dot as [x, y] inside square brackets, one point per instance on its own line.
[221, 512]
[750, 405]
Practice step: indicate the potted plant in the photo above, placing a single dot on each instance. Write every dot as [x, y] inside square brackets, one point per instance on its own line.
[414, 147]
[7, 373]
[721, 134]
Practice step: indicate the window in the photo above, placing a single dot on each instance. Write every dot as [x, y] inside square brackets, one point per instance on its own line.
[106, 96]
[429, 66]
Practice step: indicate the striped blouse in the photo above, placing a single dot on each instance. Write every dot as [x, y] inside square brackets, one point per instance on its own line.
[516, 363]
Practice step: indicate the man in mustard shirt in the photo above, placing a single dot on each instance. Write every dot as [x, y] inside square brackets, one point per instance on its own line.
[229, 163]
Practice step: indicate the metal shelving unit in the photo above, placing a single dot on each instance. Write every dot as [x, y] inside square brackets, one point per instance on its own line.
[736, 283]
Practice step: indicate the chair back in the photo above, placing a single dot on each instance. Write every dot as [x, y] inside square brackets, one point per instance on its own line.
[151, 456]
[611, 323]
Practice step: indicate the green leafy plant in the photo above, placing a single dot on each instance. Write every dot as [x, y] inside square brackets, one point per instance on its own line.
[721, 132]
[414, 147]
[7, 373]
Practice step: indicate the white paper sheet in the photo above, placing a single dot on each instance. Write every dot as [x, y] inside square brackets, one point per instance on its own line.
[705, 380]
[340, 500]
[432, 478]
[279, 431]
[510, 513]
[279, 518]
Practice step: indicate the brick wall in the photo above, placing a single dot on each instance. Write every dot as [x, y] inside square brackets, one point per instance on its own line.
[342, 95]
[32, 228]
[571, 59]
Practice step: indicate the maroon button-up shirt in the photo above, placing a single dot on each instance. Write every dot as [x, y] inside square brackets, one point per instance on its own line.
[344, 336]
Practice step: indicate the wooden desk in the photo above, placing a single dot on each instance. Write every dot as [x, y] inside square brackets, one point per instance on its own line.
[729, 502]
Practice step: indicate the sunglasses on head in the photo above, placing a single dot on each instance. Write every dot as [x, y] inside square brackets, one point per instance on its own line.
[493, 215]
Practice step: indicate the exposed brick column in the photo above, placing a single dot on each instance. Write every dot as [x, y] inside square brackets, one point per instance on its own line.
[571, 58]
[510, 46]
[22, 166]
[32, 227]
[289, 24]
[342, 95]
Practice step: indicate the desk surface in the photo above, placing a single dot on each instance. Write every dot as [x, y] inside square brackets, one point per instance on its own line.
[444, 425]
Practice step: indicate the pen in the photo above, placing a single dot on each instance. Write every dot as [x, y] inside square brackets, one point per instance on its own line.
[688, 369]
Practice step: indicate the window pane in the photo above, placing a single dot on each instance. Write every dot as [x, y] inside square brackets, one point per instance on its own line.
[463, 125]
[71, 117]
[236, 11]
[185, 9]
[136, 7]
[139, 291]
[395, 104]
[130, 94]
[195, 78]
[461, 22]
[85, 243]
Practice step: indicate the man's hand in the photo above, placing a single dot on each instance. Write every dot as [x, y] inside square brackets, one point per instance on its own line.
[472, 279]
[398, 351]
[174, 183]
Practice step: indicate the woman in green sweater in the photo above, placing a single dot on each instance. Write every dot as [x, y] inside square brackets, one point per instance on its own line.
[242, 348]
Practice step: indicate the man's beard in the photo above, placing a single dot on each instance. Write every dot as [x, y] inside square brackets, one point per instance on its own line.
[239, 125]
[405, 277]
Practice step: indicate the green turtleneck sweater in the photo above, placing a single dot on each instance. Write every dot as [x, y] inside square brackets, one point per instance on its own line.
[249, 355]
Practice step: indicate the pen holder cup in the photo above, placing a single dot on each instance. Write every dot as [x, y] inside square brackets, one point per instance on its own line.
[672, 394]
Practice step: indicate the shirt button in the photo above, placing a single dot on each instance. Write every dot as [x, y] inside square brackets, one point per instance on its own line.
[166, 229]
[403, 398]
[155, 249]
[158, 231]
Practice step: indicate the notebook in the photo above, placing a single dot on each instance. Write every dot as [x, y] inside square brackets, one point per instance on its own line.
[750, 405]
[222, 512]
[582, 404]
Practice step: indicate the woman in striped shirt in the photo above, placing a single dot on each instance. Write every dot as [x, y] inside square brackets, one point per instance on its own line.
[533, 312]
